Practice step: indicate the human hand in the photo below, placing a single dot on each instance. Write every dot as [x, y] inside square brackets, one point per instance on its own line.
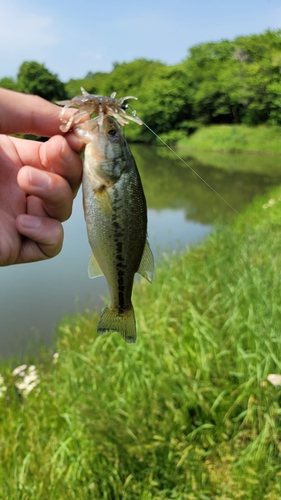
[38, 180]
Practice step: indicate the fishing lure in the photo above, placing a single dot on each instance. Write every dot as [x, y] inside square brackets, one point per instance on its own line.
[98, 104]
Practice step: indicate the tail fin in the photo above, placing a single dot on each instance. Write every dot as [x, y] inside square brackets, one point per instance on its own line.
[124, 323]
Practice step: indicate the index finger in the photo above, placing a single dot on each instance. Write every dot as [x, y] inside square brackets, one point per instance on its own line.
[28, 114]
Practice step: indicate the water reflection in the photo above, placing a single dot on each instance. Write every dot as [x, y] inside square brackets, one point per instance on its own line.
[182, 209]
[168, 183]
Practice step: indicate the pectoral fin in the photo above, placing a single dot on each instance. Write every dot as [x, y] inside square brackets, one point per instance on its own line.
[104, 202]
[94, 269]
[146, 267]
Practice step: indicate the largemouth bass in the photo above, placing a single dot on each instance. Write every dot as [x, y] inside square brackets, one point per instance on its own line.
[116, 219]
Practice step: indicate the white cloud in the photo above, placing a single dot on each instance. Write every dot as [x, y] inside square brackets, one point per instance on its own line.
[24, 30]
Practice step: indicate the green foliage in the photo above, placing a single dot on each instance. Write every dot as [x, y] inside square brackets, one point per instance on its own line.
[34, 78]
[228, 82]
[208, 70]
[237, 81]
[167, 104]
[128, 78]
[93, 83]
[8, 83]
[135, 78]
[186, 413]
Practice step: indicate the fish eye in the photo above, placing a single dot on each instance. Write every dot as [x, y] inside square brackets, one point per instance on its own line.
[112, 132]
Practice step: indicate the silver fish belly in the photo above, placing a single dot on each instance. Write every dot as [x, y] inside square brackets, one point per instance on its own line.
[116, 219]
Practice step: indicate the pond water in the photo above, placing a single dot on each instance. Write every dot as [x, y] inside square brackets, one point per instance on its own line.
[181, 212]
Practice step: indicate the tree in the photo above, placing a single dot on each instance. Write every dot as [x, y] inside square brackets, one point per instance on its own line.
[208, 67]
[8, 83]
[166, 102]
[35, 78]
[237, 81]
[134, 78]
[127, 78]
[93, 83]
[260, 73]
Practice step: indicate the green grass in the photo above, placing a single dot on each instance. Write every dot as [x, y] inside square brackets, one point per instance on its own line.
[235, 138]
[266, 164]
[186, 413]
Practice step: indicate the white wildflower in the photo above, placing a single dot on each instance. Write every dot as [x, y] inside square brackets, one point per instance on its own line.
[29, 377]
[25, 388]
[55, 357]
[274, 379]
[19, 370]
[3, 388]
[270, 203]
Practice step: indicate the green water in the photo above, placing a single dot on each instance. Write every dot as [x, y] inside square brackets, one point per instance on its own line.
[168, 183]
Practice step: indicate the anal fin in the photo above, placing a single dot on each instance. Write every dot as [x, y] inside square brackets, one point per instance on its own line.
[146, 267]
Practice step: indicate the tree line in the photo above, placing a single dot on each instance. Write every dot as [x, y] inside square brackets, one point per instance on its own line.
[224, 82]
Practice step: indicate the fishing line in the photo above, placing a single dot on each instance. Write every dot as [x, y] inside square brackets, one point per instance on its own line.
[134, 113]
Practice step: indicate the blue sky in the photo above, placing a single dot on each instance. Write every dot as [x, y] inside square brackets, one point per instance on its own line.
[74, 38]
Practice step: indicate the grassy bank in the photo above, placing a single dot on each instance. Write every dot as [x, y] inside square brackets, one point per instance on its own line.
[235, 138]
[187, 412]
[269, 165]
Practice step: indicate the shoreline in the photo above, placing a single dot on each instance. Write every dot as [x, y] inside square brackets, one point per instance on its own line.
[227, 151]
[234, 139]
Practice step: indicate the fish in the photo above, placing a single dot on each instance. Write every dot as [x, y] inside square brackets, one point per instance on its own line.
[116, 219]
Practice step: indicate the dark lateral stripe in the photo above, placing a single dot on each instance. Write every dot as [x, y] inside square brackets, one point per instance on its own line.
[121, 289]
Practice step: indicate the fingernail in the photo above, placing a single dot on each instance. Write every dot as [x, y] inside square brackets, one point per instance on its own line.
[39, 178]
[66, 153]
[30, 221]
